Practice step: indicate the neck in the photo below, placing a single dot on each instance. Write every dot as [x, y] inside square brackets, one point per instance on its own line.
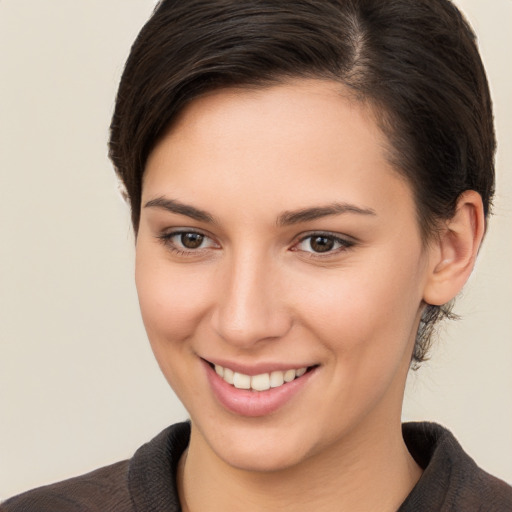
[369, 470]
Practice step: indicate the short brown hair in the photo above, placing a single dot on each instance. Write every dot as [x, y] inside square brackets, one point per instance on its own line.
[415, 61]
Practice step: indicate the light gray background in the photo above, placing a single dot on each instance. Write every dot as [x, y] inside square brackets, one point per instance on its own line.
[78, 384]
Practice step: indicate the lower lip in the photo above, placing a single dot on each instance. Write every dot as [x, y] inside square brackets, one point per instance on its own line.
[254, 403]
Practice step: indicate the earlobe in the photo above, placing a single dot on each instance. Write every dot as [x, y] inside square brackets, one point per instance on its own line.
[453, 252]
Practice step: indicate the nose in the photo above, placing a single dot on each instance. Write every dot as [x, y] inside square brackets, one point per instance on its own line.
[251, 307]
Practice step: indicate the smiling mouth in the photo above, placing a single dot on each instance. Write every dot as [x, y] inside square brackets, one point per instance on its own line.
[261, 382]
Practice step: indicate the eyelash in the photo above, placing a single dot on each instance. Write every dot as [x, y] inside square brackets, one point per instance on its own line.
[342, 243]
[167, 240]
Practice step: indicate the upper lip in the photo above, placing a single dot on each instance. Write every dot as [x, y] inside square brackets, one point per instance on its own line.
[256, 368]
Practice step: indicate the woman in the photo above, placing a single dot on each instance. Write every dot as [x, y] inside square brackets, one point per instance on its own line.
[309, 190]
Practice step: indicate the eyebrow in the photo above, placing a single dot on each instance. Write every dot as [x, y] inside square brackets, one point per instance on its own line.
[286, 218]
[174, 206]
[307, 214]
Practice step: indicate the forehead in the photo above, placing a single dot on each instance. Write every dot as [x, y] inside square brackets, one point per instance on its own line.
[294, 143]
[297, 108]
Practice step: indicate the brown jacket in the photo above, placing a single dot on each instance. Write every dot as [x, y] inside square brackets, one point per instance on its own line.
[451, 481]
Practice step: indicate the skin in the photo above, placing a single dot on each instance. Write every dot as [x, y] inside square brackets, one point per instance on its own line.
[256, 293]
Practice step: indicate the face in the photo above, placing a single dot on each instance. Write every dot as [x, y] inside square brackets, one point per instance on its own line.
[280, 272]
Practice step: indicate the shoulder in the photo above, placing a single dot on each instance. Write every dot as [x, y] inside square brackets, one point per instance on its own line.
[145, 482]
[451, 481]
[103, 489]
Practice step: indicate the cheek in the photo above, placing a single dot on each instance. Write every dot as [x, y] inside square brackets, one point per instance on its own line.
[172, 302]
[171, 299]
[369, 306]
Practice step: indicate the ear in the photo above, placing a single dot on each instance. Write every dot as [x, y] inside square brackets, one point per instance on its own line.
[453, 253]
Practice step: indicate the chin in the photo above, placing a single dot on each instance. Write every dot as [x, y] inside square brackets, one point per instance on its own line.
[257, 460]
[259, 448]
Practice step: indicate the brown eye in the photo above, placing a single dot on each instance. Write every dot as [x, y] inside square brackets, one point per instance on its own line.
[321, 243]
[191, 240]
[187, 243]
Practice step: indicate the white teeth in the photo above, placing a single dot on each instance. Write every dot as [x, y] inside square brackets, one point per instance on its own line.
[300, 372]
[276, 379]
[261, 382]
[228, 375]
[241, 381]
[289, 375]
